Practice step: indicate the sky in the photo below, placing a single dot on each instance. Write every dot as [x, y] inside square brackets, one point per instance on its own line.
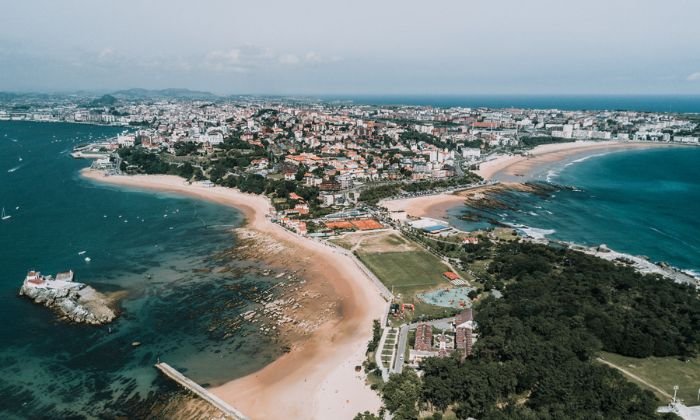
[353, 47]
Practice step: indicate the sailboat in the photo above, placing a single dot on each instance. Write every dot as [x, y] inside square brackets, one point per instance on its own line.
[4, 216]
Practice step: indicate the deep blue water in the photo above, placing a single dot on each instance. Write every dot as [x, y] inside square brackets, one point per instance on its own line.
[150, 246]
[644, 202]
[650, 103]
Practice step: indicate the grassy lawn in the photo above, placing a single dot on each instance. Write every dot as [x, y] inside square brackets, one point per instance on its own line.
[408, 272]
[401, 265]
[505, 234]
[664, 373]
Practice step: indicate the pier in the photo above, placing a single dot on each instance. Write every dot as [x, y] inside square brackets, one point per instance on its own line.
[207, 396]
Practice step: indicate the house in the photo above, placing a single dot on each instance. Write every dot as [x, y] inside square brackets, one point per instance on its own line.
[329, 185]
[311, 180]
[259, 163]
[302, 208]
[424, 337]
[289, 174]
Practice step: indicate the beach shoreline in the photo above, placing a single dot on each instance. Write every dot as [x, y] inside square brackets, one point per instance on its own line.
[518, 168]
[317, 378]
[513, 169]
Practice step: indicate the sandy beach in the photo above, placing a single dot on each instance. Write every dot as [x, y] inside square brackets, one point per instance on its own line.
[317, 379]
[434, 206]
[518, 166]
[511, 169]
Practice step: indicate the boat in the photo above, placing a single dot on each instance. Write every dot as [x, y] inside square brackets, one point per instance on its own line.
[87, 259]
[81, 252]
[4, 215]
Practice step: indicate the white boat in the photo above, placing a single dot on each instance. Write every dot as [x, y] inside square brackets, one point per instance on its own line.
[81, 252]
[4, 216]
[87, 259]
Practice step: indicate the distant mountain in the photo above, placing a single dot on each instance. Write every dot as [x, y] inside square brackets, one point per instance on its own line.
[104, 100]
[172, 93]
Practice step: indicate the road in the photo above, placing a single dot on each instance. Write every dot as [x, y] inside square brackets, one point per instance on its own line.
[402, 341]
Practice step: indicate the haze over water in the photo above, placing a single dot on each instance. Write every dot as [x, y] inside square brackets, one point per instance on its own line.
[152, 246]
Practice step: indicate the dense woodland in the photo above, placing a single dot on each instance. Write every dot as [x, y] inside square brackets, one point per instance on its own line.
[533, 141]
[535, 357]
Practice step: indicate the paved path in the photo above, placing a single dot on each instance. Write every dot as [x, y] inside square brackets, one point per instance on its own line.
[378, 355]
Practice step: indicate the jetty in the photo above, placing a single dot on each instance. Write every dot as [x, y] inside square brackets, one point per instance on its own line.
[207, 396]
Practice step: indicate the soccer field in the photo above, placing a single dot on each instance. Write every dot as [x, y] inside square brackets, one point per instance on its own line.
[408, 272]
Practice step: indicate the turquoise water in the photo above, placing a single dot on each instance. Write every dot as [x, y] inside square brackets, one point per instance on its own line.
[644, 202]
[150, 246]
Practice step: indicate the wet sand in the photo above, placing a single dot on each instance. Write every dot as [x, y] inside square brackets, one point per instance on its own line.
[317, 378]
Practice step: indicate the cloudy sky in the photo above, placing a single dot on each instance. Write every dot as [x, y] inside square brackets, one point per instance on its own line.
[353, 47]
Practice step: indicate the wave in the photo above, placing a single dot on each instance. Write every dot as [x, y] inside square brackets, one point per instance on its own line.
[585, 158]
[692, 273]
[552, 173]
[532, 232]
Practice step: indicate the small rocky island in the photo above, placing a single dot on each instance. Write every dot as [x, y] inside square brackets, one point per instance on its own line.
[74, 301]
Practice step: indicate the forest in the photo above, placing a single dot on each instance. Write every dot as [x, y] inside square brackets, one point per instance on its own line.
[535, 356]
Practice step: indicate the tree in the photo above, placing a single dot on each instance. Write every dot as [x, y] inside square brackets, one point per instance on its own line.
[300, 173]
[401, 395]
[367, 416]
[376, 336]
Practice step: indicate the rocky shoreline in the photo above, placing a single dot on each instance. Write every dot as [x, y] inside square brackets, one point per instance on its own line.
[82, 304]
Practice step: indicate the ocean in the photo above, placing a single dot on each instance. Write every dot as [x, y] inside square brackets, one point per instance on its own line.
[648, 103]
[162, 251]
[642, 202]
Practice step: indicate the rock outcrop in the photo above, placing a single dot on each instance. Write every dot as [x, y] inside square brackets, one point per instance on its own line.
[81, 304]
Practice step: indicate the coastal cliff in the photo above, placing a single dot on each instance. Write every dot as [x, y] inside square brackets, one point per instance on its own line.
[81, 304]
